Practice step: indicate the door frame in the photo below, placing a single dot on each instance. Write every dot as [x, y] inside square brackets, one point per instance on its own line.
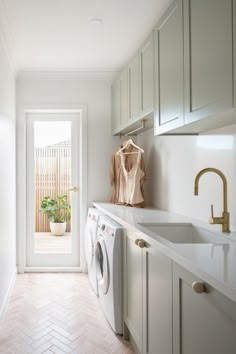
[21, 166]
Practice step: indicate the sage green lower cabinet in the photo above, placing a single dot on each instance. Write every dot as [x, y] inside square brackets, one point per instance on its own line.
[157, 302]
[133, 275]
[147, 296]
[203, 323]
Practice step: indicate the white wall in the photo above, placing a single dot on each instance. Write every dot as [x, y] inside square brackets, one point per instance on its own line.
[172, 163]
[7, 176]
[96, 95]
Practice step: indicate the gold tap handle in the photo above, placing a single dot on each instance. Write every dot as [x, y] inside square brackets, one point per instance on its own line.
[212, 218]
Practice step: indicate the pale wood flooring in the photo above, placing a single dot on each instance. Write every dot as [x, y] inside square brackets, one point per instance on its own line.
[57, 313]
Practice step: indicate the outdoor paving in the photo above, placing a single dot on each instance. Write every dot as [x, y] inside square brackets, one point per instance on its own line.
[45, 242]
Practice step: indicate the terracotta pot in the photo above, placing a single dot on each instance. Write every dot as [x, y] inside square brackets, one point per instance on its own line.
[58, 228]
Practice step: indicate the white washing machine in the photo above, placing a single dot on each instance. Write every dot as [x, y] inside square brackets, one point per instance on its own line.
[108, 259]
[90, 236]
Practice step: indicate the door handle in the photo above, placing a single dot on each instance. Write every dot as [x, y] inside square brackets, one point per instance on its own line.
[73, 189]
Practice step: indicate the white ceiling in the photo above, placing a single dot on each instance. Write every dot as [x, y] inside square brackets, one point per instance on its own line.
[47, 35]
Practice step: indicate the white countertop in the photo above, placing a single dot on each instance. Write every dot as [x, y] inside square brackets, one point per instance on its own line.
[213, 263]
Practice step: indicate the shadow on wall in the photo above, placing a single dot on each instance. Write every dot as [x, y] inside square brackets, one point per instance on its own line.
[156, 176]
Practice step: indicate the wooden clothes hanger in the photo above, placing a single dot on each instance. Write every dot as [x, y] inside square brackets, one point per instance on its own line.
[126, 145]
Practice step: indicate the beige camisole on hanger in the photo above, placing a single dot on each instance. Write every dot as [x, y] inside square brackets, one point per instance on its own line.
[130, 186]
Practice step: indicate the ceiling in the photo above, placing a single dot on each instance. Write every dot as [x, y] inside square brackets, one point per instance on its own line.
[55, 35]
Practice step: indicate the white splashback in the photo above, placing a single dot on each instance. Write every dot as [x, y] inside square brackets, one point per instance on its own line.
[172, 163]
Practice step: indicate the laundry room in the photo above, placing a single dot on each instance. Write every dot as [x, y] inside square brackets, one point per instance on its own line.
[118, 154]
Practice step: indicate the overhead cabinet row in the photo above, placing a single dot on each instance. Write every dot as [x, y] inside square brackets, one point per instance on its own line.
[184, 73]
[132, 91]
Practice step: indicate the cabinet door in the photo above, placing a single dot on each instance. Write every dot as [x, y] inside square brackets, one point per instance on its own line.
[157, 302]
[168, 37]
[134, 89]
[119, 102]
[124, 98]
[208, 58]
[133, 287]
[202, 323]
[115, 104]
[147, 73]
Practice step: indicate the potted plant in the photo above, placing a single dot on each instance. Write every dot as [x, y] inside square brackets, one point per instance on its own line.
[58, 211]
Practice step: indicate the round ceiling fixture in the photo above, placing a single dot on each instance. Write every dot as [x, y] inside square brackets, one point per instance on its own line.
[95, 21]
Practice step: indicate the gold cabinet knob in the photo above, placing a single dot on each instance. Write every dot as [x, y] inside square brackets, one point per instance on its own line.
[141, 244]
[137, 241]
[198, 287]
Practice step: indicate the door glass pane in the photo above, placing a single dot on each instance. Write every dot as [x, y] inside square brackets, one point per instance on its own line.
[52, 179]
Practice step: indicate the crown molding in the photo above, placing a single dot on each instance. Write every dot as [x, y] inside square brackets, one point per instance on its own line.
[66, 75]
[6, 36]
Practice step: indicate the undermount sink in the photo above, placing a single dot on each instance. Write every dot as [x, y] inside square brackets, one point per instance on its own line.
[183, 233]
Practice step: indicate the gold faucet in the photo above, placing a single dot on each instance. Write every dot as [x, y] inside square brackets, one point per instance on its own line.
[224, 220]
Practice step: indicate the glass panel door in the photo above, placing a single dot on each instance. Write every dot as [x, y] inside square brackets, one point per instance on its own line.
[52, 189]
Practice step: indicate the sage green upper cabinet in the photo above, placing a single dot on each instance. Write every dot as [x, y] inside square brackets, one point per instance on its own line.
[169, 66]
[147, 76]
[134, 88]
[132, 92]
[115, 104]
[184, 73]
[203, 323]
[123, 98]
[208, 58]
[141, 87]
[119, 102]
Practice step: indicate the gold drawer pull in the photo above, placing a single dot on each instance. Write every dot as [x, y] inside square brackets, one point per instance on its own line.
[137, 241]
[141, 244]
[198, 287]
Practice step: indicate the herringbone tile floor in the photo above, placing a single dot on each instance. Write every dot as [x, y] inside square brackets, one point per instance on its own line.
[57, 313]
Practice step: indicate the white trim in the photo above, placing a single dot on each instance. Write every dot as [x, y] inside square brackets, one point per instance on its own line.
[67, 75]
[52, 270]
[72, 258]
[3, 308]
[21, 174]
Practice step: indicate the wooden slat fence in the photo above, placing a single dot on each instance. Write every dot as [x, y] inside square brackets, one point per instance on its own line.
[52, 177]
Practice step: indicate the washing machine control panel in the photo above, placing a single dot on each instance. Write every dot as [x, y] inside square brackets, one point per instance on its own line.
[107, 230]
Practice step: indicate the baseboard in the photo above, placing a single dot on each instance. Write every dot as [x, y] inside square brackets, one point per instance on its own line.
[52, 270]
[20, 270]
[3, 308]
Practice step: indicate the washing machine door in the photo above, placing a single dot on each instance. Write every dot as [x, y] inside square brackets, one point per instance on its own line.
[89, 245]
[102, 265]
